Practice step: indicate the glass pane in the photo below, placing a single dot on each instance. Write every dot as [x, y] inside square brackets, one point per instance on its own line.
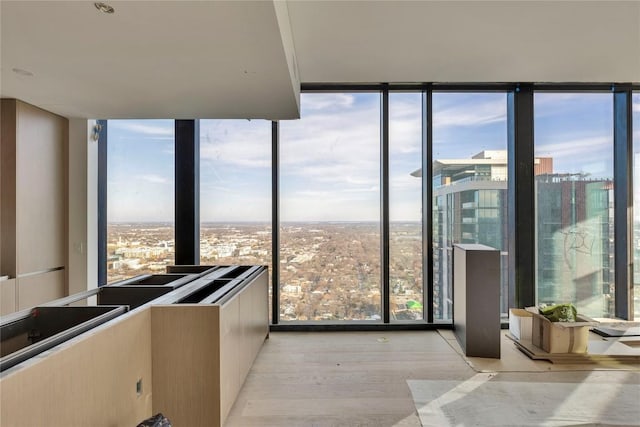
[140, 194]
[405, 206]
[469, 176]
[574, 201]
[330, 209]
[235, 192]
[636, 204]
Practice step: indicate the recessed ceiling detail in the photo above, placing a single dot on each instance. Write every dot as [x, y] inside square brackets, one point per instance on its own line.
[104, 8]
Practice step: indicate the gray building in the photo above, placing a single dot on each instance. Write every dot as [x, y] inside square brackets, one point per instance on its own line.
[469, 206]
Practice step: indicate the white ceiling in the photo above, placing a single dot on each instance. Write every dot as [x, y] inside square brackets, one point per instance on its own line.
[245, 59]
[203, 59]
[467, 41]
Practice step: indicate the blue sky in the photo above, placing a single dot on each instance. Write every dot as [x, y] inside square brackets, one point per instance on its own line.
[329, 160]
[577, 131]
[330, 157]
[140, 168]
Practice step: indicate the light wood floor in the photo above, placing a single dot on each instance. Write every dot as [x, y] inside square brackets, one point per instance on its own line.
[354, 379]
[343, 378]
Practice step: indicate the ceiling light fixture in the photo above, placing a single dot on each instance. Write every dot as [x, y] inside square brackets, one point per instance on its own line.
[21, 72]
[104, 8]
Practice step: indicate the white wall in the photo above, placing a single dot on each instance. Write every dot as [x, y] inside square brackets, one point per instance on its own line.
[83, 207]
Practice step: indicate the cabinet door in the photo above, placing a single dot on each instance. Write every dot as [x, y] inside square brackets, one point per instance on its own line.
[40, 288]
[40, 194]
[7, 296]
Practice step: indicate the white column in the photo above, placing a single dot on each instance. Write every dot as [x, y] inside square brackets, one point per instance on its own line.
[82, 214]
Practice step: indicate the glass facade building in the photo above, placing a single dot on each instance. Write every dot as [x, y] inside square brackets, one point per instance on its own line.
[574, 195]
[470, 206]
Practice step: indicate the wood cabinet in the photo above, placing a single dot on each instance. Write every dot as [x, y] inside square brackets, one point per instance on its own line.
[102, 378]
[7, 296]
[202, 354]
[33, 200]
[188, 361]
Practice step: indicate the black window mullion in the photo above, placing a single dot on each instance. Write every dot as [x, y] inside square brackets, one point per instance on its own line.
[275, 223]
[623, 200]
[427, 204]
[101, 127]
[187, 192]
[521, 196]
[384, 202]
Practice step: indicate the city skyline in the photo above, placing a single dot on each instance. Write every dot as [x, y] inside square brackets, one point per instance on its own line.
[349, 289]
[329, 167]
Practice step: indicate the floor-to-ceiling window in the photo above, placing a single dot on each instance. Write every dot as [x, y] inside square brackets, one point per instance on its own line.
[469, 178]
[406, 294]
[235, 192]
[636, 204]
[331, 171]
[330, 209]
[140, 194]
[574, 200]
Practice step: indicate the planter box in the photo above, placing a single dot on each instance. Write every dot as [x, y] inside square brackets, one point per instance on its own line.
[560, 337]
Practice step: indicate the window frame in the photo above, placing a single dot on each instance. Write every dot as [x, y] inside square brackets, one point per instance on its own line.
[520, 123]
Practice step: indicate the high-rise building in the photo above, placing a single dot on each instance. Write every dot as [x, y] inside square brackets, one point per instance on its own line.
[574, 217]
[470, 206]
[574, 231]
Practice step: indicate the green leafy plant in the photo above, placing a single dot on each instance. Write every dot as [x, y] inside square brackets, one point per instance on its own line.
[560, 312]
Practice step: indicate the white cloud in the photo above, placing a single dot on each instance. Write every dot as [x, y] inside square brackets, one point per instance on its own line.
[247, 155]
[471, 114]
[214, 190]
[236, 207]
[574, 147]
[593, 155]
[405, 106]
[405, 181]
[153, 179]
[554, 104]
[331, 138]
[357, 173]
[406, 210]
[236, 142]
[332, 101]
[314, 193]
[330, 163]
[337, 207]
[405, 136]
[148, 128]
[372, 189]
[555, 98]
[139, 201]
[322, 149]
